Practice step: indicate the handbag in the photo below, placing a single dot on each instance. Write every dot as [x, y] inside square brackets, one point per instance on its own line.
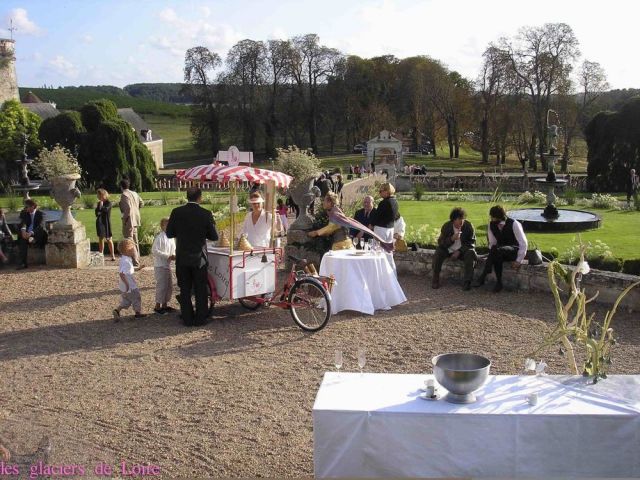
[534, 257]
[401, 245]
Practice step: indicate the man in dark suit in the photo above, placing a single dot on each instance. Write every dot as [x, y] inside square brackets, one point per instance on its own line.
[457, 241]
[191, 226]
[31, 230]
[365, 216]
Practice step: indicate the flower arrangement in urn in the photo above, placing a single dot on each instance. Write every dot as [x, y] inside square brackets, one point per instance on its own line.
[62, 170]
[575, 328]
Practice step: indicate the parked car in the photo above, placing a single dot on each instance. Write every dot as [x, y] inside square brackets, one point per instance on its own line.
[359, 148]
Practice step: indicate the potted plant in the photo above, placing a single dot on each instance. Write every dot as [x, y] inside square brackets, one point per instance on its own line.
[62, 170]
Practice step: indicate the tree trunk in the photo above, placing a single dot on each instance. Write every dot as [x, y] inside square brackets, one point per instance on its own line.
[456, 140]
[533, 164]
[450, 137]
[564, 163]
[484, 139]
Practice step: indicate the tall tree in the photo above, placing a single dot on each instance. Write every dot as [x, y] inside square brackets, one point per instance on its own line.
[578, 107]
[491, 86]
[278, 53]
[310, 65]
[246, 71]
[542, 58]
[200, 65]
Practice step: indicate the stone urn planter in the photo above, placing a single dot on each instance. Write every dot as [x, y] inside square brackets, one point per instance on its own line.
[68, 245]
[65, 192]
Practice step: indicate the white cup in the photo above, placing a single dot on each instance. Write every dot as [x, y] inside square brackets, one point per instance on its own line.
[430, 391]
[532, 399]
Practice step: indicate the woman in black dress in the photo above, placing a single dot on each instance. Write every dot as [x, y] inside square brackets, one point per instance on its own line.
[103, 221]
[387, 213]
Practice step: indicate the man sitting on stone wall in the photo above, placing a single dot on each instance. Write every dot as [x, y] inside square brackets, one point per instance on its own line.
[457, 241]
[31, 230]
[507, 243]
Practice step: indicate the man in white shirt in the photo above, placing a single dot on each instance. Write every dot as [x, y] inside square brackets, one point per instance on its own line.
[164, 252]
[507, 243]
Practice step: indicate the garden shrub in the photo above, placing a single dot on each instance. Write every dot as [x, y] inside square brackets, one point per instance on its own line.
[604, 201]
[632, 267]
[536, 197]
[418, 191]
[570, 195]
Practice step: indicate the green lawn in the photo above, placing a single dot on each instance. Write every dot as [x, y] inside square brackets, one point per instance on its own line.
[176, 136]
[619, 228]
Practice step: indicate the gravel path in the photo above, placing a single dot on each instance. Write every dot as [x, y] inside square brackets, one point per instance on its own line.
[233, 398]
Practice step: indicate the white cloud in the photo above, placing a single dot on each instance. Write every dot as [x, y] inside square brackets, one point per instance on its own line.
[181, 34]
[88, 39]
[64, 67]
[278, 33]
[205, 11]
[22, 23]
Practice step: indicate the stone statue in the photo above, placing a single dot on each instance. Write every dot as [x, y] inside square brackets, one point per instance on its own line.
[553, 138]
[304, 195]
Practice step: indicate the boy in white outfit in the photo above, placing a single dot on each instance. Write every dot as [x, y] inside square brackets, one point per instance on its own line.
[164, 252]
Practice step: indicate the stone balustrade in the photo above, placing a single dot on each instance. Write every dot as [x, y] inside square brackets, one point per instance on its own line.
[475, 182]
[527, 278]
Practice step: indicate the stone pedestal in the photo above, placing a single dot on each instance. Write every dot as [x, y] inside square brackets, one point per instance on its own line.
[68, 247]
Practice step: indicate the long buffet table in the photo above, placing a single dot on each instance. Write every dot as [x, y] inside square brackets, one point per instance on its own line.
[375, 425]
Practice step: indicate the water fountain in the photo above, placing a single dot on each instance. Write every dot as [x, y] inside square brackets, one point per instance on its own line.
[551, 218]
[25, 185]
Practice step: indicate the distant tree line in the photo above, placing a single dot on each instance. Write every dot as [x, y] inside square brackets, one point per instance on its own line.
[264, 95]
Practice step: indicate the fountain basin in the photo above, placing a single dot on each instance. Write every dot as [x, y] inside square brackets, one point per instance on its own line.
[532, 219]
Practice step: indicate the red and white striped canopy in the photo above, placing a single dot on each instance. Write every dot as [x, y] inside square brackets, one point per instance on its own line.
[240, 173]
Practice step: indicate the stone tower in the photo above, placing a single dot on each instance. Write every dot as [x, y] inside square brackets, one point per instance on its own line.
[8, 79]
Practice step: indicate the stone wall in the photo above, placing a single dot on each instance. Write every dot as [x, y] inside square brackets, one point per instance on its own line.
[475, 182]
[8, 79]
[155, 147]
[528, 278]
[355, 190]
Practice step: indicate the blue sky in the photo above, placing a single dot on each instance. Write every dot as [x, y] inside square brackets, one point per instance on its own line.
[117, 42]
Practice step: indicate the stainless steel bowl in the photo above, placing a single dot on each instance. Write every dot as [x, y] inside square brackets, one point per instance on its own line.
[461, 374]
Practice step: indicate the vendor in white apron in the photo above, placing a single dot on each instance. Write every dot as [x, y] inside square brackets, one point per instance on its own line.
[257, 223]
[386, 213]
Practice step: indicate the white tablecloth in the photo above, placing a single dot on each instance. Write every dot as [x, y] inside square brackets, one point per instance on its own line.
[375, 425]
[364, 283]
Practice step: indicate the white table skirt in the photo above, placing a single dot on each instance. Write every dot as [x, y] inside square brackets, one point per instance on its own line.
[376, 426]
[364, 283]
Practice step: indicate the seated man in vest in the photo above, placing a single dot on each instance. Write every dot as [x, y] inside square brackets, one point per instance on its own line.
[457, 241]
[507, 243]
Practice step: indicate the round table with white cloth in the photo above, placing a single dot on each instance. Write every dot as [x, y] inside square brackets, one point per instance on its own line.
[364, 283]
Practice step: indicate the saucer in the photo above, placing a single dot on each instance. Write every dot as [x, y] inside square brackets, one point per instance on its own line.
[436, 396]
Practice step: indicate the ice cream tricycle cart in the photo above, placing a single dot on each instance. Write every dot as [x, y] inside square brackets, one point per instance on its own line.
[250, 275]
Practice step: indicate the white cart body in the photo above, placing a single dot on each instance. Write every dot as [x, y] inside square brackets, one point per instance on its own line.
[243, 274]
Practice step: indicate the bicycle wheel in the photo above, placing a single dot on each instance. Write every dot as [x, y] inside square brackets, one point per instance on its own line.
[310, 304]
[249, 303]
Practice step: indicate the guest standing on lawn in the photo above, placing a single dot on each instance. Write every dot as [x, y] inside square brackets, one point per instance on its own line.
[103, 222]
[191, 226]
[507, 243]
[130, 205]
